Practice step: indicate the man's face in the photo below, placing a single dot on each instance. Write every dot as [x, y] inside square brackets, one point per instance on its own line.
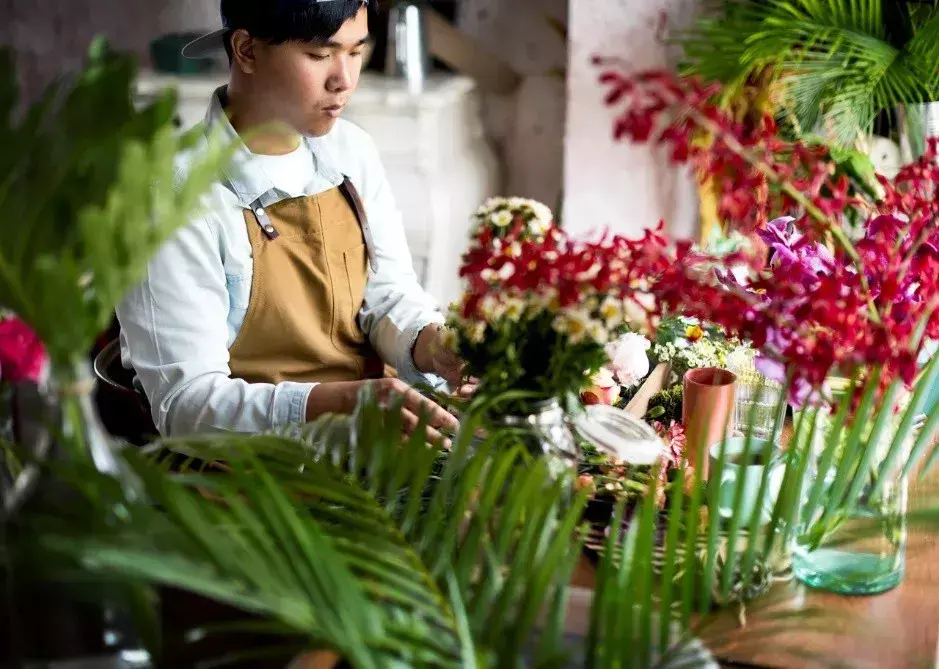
[307, 86]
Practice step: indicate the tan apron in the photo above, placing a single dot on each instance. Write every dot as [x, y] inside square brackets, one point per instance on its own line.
[310, 268]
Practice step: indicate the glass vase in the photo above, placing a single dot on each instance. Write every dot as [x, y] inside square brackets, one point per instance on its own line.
[543, 428]
[58, 625]
[852, 536]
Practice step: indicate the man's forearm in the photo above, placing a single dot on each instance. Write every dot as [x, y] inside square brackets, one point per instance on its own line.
[423, 352]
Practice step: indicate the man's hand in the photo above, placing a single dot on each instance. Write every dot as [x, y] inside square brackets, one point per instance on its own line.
[433, 356]
[341, 398]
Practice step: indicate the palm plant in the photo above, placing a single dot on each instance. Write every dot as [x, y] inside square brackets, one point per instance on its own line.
[832, 66]
[339, 536]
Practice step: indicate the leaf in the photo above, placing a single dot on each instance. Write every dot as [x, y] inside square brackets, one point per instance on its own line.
[838, 64]
[91, 182]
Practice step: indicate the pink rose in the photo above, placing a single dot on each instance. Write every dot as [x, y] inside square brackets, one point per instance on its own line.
[22, 354]
[629, 358]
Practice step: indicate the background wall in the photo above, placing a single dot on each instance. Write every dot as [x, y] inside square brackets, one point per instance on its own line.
[527, 127]
[52, 36]
[625, 187]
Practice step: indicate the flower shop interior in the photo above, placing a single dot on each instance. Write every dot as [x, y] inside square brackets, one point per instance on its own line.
[622, 350]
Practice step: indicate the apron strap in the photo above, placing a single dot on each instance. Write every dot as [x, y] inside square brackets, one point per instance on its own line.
[267, 226]
[349, 191]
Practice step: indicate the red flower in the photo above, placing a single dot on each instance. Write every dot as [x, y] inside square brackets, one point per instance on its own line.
[22, 354]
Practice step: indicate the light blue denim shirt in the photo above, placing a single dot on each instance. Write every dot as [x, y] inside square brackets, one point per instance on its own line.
[177, 326]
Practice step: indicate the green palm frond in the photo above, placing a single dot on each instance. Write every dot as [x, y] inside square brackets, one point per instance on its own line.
[354, 542]
[344, 536]
[838, 64]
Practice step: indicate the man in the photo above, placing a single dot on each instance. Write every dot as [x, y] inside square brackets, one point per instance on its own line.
[294, 286]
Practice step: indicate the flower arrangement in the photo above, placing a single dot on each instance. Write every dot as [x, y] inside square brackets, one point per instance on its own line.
[825, 302]
[609, 479]
[514, 217]
[540, 310]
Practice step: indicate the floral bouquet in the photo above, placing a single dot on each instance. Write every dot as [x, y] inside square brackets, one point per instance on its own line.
[540, 308]
[514, 218]
[847, 285]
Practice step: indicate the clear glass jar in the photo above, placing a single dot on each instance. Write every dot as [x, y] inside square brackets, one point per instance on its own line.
[856, 544]
[544, 429]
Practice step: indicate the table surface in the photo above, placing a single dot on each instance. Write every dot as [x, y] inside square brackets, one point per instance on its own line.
[898, 629]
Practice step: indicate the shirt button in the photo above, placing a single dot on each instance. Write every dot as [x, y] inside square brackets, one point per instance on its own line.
[269, 229]
[259, 212]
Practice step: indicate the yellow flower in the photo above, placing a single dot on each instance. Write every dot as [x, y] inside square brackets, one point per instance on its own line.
[449, 339]
[693, 333]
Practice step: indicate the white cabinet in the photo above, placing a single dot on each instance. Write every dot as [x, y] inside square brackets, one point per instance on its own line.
[434, 149]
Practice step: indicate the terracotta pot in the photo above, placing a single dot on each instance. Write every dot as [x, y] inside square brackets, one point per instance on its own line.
[707, 411]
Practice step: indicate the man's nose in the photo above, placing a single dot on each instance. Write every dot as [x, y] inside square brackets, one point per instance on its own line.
[340, 79]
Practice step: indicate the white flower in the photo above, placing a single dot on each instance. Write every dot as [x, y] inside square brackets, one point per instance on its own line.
[598, 333]
[476, 332]
[575, 323]
[612, 312]
[492, 308]
[514, 308]
[507, 270]
[629, 358]
[501, 218]
[589, 274]
[603, 378]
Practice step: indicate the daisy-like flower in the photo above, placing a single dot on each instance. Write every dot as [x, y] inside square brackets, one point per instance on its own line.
[492, 308]
[575, 323]
[476, 332]
[501, 218]
[612, 312]
[514, 308]
[598, 333]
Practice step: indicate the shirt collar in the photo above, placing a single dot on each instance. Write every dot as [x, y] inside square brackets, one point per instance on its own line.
[244, 176]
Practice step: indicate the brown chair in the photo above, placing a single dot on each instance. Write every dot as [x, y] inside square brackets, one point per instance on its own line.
[123, 407]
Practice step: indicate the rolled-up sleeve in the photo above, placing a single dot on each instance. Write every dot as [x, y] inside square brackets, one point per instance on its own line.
[174, 334]
[396, 307]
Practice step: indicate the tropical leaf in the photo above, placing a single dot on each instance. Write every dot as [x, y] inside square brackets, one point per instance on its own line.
[837, 64]
[392, 553]
[91, 184]
[386, 552]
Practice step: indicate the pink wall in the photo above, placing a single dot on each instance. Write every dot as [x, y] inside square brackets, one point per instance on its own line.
[626, 188]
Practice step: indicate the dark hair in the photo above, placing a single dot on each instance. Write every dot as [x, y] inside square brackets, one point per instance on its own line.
[311, 23]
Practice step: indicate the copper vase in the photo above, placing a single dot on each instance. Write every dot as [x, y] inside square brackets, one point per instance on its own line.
[707, 411]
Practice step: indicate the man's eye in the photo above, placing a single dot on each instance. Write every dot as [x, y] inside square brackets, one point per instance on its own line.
[356, 54]
[319, 56]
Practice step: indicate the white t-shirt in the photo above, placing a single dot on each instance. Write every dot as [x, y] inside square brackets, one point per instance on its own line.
[291, 172]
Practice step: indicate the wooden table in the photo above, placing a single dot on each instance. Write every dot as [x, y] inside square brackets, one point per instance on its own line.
[895, 630]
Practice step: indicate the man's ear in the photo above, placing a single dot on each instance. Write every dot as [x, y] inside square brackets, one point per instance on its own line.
[242, 46]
